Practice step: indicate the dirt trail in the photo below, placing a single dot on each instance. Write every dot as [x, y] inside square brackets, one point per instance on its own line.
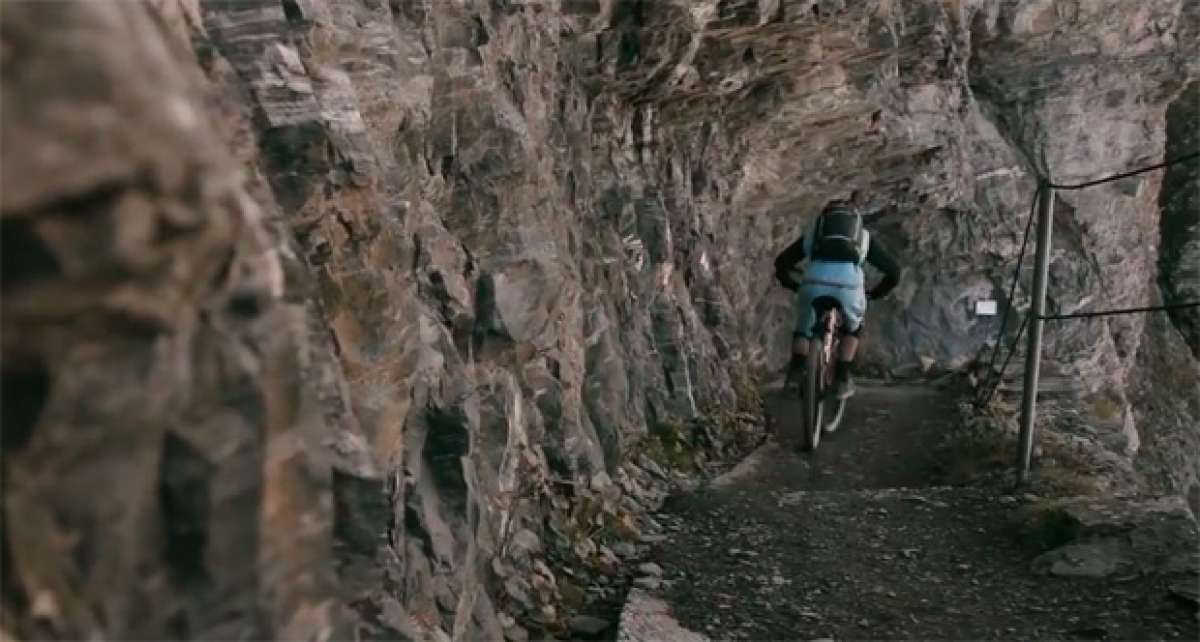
[885, 441]
[852, 543]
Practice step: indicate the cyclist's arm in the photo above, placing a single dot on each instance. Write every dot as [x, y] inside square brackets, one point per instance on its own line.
[878, 256]
[786, 261]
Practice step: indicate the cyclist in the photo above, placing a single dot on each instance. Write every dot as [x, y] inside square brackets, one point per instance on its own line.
[837, 246]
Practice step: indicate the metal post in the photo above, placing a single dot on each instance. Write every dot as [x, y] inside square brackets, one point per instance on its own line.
[1034, 351]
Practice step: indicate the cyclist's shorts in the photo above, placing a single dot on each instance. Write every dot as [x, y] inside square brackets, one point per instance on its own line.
[852, 298]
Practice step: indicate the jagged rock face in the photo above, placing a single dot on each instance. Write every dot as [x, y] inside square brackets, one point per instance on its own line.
[1180, 201]
[1166, 386]
[165, 467]
[341, 277]
[1099, 537]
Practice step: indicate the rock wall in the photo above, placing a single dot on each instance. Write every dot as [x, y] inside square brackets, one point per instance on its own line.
[1167, 377]
[326, 293]
[166, 471]
[1179, 260]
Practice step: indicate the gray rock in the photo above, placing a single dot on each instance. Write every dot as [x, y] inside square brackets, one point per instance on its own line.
[1100, 537]
[650, 568]
[1092, 559]
[587, 625]
[526, 542]
[624, 550]
[1087, 516]
[601, 481]
[516, 633]
[653, 468]
[645, 618]
[648, 583]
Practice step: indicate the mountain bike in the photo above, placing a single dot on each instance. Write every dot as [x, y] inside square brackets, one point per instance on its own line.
[823, 410]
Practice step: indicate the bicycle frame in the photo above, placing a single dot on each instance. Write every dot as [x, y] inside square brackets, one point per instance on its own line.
[822, 410]
[831, 320]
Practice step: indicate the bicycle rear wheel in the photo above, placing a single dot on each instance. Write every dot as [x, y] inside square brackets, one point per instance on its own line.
[814, 397]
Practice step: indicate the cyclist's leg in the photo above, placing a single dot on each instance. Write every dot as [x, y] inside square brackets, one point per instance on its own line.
[802, 332]
[854, 307]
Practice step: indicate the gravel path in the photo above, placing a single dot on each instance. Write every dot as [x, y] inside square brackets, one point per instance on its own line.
[849, 544]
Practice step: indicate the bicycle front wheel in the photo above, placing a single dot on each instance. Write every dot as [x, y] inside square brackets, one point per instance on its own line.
[833, 411]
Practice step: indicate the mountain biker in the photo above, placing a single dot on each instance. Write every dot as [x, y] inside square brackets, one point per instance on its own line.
[837, 246]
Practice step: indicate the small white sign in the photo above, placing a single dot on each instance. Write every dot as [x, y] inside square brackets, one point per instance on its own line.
[985, 308]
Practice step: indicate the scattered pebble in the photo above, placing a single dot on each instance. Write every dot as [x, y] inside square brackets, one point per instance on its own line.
[649, 583]
[650, 568]
[624, 550]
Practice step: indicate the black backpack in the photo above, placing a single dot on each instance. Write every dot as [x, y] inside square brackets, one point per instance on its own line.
[838, 234]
